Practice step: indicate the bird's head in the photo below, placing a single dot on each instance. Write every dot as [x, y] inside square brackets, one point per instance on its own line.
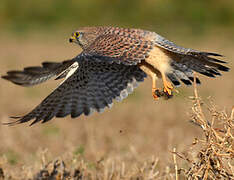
[84, 36]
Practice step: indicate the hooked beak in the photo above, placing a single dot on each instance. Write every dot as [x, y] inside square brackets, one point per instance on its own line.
[72, 39]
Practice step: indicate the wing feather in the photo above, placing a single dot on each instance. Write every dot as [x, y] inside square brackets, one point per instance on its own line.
[31, 76]
[92, 87]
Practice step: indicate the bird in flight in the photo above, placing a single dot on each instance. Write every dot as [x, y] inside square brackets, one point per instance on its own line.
[110, 66]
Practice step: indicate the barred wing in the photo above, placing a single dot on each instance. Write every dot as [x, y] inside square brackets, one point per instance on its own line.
[31, 76]
[92, 87]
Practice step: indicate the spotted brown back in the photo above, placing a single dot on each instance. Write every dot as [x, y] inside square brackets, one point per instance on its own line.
[121, 45]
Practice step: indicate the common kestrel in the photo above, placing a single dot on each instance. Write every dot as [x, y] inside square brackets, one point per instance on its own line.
[111, 64]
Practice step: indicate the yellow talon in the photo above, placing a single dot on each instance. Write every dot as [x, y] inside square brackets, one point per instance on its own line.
[168, 91]
[167, 86]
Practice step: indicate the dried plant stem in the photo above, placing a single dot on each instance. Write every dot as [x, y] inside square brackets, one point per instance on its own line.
[232, 114]
[200, 114]
[175, 163]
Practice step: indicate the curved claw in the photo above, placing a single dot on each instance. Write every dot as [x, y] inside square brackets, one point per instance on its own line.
[167, 96]
[167, 87]
[157, 93]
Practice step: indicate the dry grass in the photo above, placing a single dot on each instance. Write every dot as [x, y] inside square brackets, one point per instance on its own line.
[133, 140]
[211, 156]
[208, 157]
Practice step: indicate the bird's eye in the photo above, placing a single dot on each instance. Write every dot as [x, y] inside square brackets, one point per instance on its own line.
[77, 34]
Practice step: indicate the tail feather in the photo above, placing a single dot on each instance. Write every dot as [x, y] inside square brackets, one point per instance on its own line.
[205, 59]
[197, 80]
[215, 60]
[203, 65]
[182, 77]
[212, 54]
[181, 72]
[201, 62]
[173, 79]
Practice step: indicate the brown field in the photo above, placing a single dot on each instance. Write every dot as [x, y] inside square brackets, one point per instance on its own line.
[133, 140]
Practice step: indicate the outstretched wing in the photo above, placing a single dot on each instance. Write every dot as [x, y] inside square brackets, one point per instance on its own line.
[185, 61]
[38, 74]
[92, 87]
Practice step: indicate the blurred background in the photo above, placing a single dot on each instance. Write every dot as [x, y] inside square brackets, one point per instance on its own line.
[197, 17]
[137, 128]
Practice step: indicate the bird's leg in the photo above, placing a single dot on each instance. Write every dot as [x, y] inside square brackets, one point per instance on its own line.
[150, 71]
[155, 91]
[154, 88]
[167, 86]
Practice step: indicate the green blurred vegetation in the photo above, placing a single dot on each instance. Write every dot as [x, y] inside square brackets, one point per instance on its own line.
[79, 151]
[12, 157]
[50, 131]
[196, 16]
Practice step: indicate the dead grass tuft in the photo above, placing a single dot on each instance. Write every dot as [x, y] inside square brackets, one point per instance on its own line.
[212, 155]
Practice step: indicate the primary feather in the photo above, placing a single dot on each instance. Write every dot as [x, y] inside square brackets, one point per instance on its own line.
[91, 88]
